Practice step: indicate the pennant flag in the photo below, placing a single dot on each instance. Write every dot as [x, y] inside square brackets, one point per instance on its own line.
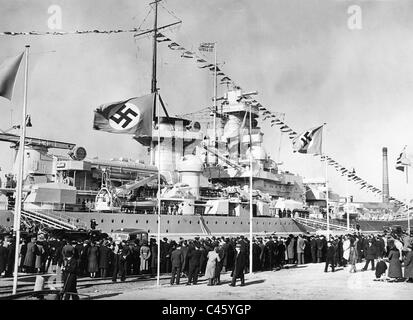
[8, 72]
[173, 46]
[309, 141]
[285, 128]
[132, 116]
[206, 66]
[402, 161]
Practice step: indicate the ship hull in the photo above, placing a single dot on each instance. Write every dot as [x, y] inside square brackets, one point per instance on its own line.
[177, 225]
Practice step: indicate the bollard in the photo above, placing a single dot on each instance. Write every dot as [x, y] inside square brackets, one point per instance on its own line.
[38, 285]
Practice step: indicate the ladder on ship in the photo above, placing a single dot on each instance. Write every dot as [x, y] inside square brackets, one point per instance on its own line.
[322, 224]
[51, 220]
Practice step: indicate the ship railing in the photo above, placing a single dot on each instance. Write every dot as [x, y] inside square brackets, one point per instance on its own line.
[58, 217]
[323, 224]
[47, 220]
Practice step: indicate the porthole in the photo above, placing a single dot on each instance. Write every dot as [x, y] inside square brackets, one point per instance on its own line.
[190, 222]
[233, 222]
[207, 222]
[226, 222]
[216, 222]
[8, 219]
[147, 221]
[166, 230]
[241, 222]
[137, 221]
[101, 221]
[121, 221]
[167, 222]
[113, 221]
[198, 222]
[77, 220]
[179, 221]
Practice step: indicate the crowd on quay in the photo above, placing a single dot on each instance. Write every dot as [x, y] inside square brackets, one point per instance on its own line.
[208, 257]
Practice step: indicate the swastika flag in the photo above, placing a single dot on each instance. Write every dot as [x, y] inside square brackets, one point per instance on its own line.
[132, 116]
[309, 141]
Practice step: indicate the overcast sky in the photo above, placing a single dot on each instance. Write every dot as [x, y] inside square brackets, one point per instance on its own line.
[300, 56]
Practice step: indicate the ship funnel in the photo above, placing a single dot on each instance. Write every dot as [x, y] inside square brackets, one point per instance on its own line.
[385, 177]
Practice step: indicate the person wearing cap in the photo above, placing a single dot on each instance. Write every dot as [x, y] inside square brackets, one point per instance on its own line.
[69, 277]
[239, 266]
[408, 264]
[177, 261]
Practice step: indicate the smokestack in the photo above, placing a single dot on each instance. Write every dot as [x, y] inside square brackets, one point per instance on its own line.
[385, 177]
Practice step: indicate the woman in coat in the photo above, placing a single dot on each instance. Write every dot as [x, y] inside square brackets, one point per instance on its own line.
[290, 249]
[92, 260]
[213, 257]
[30, 257]
[145, 254]
[353, 257]
[395, 266]
[408, 264]
[39, 257]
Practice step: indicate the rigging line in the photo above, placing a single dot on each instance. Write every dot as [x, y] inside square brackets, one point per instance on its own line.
[169, 11]
[146, 17]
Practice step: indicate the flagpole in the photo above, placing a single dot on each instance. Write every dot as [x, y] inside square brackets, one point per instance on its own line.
[326, 174]
[19, 187]
[158, 273]
[251, 207]
[215, 100]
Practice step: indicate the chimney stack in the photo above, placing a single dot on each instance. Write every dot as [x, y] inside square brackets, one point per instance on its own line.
[385, 177]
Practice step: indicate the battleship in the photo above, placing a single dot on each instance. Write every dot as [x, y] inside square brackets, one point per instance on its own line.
[203, 163]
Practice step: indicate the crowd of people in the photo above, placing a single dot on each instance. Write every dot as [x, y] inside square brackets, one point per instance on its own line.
[207, 257]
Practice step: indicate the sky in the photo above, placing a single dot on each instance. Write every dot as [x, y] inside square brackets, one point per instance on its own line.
[301, 57]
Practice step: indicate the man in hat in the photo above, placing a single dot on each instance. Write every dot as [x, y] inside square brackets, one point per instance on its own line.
[194, 262]
[239, 266]
[330, 256]
[177, 261]
[69, 277]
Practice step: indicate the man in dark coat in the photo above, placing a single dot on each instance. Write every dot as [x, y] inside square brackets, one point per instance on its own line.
[3, 257]
[11, 251]
[330, 256]
[370, 254]
[270, 252]
[104, 260]
[262, 256]
[30, 258]
[320, 249]
[225, 249]
[177, 261]
[313, 244]
[239, 266]
[69, 277]
[194, 263]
